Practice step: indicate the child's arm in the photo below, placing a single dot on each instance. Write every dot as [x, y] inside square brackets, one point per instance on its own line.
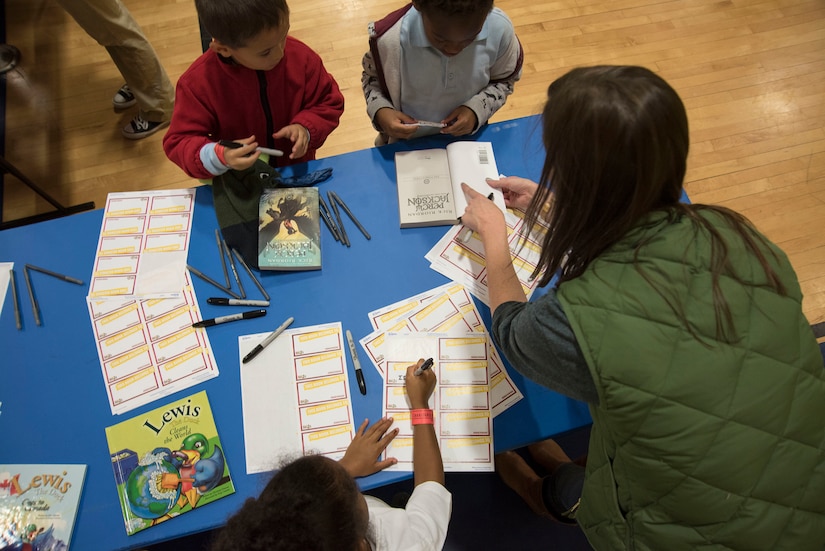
[321, 104]
[427, 463]
[380, 109]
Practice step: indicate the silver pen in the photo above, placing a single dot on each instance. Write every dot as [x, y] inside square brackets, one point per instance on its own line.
[268, 339]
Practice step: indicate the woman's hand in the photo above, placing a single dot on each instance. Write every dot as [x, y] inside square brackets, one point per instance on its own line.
[518, 192]
[361, 457]
[481, 214]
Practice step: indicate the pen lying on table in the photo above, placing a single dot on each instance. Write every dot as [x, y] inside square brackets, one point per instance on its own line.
[359, 375]
[267, 340]
[221, 301]
[231, 317]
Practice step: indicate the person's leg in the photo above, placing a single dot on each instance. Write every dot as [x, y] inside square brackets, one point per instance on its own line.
[562, 487]
[113, 27]
[518, 475]
[555, 495]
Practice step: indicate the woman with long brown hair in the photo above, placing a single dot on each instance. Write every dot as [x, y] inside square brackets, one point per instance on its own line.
[679, 324]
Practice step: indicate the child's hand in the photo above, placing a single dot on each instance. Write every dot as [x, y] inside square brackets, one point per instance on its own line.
[298, 135]
[361, 457]
[391, 123]
[242, 157]
[461, 121]
[419, 387]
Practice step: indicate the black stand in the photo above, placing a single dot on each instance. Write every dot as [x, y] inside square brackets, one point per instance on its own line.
[8, 168]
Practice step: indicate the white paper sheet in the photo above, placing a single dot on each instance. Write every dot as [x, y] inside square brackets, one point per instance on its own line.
[296, 396]
[465, 262]
[461, 401]
[148, 348]
[447, 308]
[5, 279]
[143, 244]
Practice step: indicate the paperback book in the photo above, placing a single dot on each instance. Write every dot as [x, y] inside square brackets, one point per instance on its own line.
[429, 182]
[168, 462]
[289, 229]
[38, 505]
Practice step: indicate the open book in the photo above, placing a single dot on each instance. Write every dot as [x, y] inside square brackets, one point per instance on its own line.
[429, 182]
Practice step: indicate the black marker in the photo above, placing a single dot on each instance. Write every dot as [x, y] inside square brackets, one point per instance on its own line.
[220, 301]
[428, 363]
[359, 375]
[232, 317]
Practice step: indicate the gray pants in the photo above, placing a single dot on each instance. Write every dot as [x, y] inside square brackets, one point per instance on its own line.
[114, 28]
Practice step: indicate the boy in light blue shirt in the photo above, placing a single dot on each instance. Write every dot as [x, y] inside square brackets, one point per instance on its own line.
[439, 66]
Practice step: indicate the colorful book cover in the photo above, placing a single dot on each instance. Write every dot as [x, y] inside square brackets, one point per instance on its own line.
[289, 229]
[168, 462]
[38, 505]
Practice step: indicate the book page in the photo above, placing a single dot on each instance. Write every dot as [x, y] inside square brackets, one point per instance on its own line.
[472, 163]
[424, 188]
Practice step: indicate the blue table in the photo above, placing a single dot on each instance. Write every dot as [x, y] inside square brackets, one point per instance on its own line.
[54, 407]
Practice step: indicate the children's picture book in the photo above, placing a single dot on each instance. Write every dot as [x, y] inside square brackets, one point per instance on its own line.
[167, 462]
[289, 229]
[38, 505]
[429, 182]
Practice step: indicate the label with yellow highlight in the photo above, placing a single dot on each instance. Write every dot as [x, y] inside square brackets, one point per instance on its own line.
[328, 433]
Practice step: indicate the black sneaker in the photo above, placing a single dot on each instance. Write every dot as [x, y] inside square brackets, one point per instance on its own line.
[140, 128]
[124, 98]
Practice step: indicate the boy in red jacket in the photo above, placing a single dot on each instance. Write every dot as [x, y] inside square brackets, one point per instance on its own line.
[255, 86]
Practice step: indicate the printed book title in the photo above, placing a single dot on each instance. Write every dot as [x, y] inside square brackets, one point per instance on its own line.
[425, 203]
[44, 484]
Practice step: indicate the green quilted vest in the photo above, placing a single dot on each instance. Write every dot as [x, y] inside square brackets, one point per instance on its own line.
[698, 445]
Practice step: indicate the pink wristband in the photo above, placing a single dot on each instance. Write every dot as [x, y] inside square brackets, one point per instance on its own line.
[421, 417]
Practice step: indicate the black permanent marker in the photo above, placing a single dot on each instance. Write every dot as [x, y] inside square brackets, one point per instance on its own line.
[220, 301]
[232, 317]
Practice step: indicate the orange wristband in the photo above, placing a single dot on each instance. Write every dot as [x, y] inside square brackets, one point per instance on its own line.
[219, 151]
[421, 417]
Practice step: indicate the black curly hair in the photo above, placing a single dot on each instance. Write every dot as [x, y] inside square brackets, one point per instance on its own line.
[311, 504]
[454, 7]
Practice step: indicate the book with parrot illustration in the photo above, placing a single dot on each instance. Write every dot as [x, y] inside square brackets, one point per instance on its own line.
[167, 462]
[289, 229]
[38, 505]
